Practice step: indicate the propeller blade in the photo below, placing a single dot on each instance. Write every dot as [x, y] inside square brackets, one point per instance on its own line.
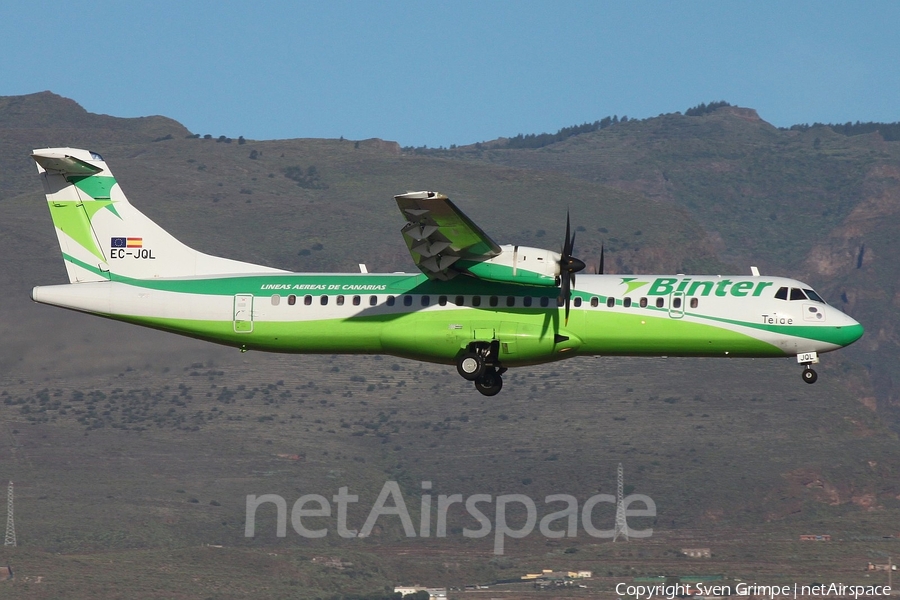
[566, 293]
[568, 266]
[600, 268]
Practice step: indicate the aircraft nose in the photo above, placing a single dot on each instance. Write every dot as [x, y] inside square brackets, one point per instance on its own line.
[849, 330]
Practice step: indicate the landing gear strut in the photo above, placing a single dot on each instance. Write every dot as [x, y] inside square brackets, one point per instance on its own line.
[480, 363]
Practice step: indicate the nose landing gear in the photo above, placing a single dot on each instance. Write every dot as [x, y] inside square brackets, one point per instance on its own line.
[480, 364]
[807, 359]
[809, 375]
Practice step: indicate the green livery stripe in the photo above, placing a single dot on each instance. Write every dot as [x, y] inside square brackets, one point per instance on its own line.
[680, 330]
[97, 187]
[494, 272]
[317, 285]
[840, 336]
[645, 335]
[72, 218]
[525, 336]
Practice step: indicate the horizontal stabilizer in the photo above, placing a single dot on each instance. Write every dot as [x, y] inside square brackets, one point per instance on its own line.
[64, 164]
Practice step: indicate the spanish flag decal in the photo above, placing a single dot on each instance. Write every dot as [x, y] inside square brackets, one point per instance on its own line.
[132, 242]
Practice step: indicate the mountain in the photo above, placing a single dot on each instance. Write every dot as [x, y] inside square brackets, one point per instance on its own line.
[133, 451]
[808, 203]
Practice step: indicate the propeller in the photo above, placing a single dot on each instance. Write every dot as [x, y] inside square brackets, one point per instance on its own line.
[600, 266]
[568, 266]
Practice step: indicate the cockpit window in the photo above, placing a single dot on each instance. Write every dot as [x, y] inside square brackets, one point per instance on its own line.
[781, 294]
[797, 294]
[813, 296]
[96, 156]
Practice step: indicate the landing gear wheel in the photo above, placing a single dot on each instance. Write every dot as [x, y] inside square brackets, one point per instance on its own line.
[470, 366]
[810, 376]
[490, 383]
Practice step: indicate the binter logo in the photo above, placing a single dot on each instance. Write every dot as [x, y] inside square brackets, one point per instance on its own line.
[663, 286]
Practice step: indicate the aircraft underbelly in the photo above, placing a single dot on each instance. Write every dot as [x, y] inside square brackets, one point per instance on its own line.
[621, 333]
[440, 338]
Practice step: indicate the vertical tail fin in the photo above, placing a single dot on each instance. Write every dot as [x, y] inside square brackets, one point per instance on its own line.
[103, 237]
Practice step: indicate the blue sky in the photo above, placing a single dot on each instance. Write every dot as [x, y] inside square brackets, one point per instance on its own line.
[441, 73]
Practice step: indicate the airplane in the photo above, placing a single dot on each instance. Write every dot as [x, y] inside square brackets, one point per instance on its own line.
[474, 304]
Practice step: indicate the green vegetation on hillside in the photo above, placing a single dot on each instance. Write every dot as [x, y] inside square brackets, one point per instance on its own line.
[540, 140]
[132, 469]
[889, 131]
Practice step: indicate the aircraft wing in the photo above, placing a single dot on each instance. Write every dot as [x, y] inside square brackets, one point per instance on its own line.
[438, 234]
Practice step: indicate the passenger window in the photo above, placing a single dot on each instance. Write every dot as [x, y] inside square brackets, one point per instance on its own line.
[356, 300]
[643, 303]
[442, 300]
[781, 294]
[695, 303]
[595, 301]
[611, 302]
[626, 302]
[526, 301]
[577, 302]
[476, 300]
[494, 301]
[407, 300]
[307, 300]
[510, 300]
[292, 299]
[373, 300]
[426, 300]
[391, 300]
[560, 301]
[340, 300]
[660, 302]
[276, 299]
[460, 301]
[797, 294]
[545, 302]
[676, 302]
[813, 296]
[323, 300]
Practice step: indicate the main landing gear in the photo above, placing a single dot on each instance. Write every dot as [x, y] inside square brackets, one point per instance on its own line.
[807, 359]
[480, 364]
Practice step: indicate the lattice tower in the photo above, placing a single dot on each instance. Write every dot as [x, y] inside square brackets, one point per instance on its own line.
[10, 519]
[621, 524]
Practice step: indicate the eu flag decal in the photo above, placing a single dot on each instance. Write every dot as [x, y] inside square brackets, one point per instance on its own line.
[126, 242]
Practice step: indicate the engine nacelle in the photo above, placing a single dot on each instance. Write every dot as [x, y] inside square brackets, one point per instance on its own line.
[518, 264]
